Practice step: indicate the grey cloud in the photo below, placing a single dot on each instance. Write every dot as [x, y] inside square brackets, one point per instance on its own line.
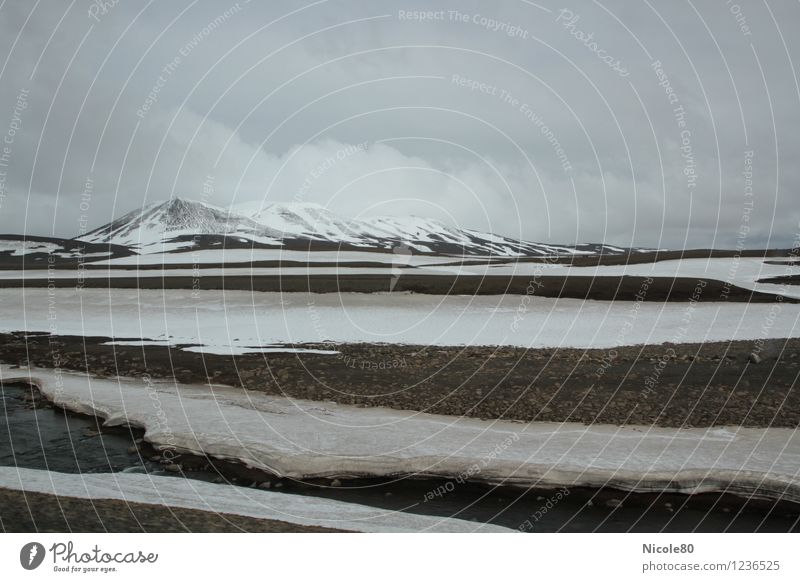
[260, 106]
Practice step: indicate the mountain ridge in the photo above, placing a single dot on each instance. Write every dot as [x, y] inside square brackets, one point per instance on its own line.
[178, 224]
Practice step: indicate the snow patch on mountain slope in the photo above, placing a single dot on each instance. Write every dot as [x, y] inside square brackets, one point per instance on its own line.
[17, 248]
[312, 221]
[303, 220]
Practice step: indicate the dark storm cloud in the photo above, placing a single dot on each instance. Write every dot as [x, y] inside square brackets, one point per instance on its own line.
[661, 125]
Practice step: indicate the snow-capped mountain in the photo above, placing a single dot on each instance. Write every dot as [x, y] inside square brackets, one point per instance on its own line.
[180, 224]
[173, 221]
[422, 235]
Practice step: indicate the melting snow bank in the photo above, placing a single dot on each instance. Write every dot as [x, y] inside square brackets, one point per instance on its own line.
[223, 350]
[305, 439]
[240, 350]
[228, 499]
[241, 319]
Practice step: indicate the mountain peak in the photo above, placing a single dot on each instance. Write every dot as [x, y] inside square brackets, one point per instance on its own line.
[162, 221]
[182, 212]
[177, 204]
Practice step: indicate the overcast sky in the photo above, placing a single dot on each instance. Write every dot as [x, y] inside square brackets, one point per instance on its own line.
[649, 123]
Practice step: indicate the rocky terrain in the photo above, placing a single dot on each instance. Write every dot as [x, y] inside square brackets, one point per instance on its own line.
[688, 385]
[42, 513]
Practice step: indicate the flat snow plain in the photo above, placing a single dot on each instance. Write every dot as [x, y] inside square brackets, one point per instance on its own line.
[240, 319]
[742, 272]
[304, 439]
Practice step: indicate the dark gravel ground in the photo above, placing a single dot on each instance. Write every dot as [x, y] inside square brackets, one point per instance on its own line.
[723, 383]
[70, 443]
[784, 280]
[606, 288]
[39, 512]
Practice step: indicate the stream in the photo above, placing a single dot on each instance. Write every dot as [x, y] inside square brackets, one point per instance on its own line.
[35, 435]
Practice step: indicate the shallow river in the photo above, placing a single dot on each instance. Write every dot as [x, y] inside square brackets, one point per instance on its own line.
[48, 438]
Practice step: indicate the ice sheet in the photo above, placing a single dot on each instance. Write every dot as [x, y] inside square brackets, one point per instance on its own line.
[304, 439]
[242, 318]
[236, 350]
[741, 272]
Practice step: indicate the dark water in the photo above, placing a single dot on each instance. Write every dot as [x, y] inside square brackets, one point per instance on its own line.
[41, 437]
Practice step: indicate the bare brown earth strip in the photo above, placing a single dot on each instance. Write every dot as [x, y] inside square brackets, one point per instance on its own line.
[40, 512]
[576, 260]
[278, 264]
[741, 383]
[41, 260]
[621, 288]
[671, 255]
[783, 280]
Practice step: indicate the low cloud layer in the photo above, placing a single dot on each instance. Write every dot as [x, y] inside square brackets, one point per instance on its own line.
[668, 126]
